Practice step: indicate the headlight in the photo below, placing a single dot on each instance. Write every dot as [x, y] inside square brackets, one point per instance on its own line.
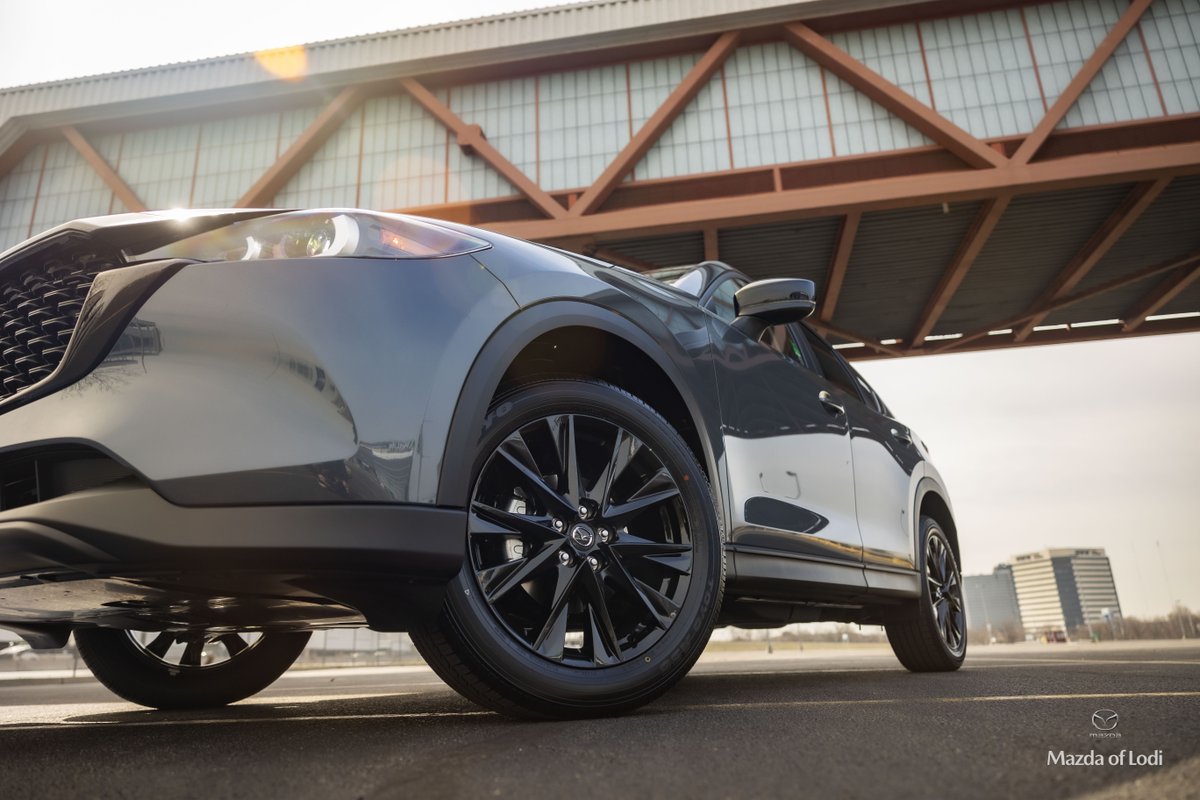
[319, 234]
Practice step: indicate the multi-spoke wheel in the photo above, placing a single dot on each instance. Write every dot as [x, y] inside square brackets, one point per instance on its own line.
[594, 564]
[930, 634]
[187, 669]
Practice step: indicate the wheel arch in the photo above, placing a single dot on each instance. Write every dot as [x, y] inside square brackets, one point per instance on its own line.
[932, 501]
[573, 339]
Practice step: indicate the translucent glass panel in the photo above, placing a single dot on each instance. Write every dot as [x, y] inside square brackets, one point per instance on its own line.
[1123, 90]
[894, 52]
[70, 189]
[17, 192]
[330, 177]
[982, 73]
[403, 155]
[1172, 30]
[158, 165]
[650, 83]
[507, 113]
[1064, 35]
[861, 125]
[697, 141]
[234, 153]
[776, 107]
[584, 124]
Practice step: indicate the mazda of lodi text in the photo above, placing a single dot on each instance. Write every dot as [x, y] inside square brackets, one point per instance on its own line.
[223, 430]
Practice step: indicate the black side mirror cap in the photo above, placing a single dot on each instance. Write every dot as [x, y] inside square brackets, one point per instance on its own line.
[777, 301]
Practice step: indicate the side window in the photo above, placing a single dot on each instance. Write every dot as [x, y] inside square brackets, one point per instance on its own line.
[721, 301]
[869, 396]
[781, 339]
[830, 365]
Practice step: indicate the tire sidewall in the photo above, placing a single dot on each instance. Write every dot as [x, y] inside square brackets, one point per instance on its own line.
[678, 647]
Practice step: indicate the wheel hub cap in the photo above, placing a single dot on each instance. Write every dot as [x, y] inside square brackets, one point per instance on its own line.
[583, 536]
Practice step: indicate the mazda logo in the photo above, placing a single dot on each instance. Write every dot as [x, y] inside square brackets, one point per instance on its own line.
[1105, 719]
[583, 535]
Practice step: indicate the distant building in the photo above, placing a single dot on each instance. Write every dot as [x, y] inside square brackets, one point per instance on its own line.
[1064, 588]
[992, 599]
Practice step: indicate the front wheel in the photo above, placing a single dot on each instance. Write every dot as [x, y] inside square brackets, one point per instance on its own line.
[930, 633]
[194, 669]
[595, 568]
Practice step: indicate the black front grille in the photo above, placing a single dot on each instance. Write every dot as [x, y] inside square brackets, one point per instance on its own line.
[39, 306]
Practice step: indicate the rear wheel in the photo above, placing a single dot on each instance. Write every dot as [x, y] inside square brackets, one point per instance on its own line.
[192, 669]
[930, 634]
[595, 567]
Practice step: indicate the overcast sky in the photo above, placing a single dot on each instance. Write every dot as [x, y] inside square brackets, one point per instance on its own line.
[1092, 444]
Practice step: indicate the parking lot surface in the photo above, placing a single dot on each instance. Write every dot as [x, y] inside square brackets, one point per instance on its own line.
[821, 723]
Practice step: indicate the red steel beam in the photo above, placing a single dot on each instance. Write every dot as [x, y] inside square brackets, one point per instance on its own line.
[658, 123]
[305, 146]
[893, 98]
[1095, 169]
[1159, 296]
[828, 328]
[1088, 72]
[107, 174]
[836, 275]
[1109, 232]
[968, 250]
[473, 142]
[1107, 286]
[712, 244]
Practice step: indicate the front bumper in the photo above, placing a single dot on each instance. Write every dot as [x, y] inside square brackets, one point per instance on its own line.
[122, 554]
[276, 382]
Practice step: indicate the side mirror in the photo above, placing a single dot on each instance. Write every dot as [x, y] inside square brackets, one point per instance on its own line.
[772, 302]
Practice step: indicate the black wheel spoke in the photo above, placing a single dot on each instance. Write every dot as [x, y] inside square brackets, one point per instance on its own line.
[623, 512]
[554, 502]
[625, 447]
[660, 609]
[486, 520]
[570, 451]
[551, 639]
[671, 555]
[234, 644]
[193, 653]
[606, 645]
[499, 580]
[161, 644]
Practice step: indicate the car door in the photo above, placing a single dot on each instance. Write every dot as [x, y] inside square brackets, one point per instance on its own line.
[787, 449]
[885, 458]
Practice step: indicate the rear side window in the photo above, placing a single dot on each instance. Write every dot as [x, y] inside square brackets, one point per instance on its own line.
[830, 365]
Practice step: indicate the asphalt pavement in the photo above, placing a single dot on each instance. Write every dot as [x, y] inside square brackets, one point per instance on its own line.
[822, 723]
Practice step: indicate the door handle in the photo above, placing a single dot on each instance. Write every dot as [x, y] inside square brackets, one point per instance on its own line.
[833, 407]
[903, 437]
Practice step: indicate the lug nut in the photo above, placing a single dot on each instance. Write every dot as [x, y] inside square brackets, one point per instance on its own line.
[564, 558]
[558, 524]
[593, 562]
[584, 513]
[605, 535]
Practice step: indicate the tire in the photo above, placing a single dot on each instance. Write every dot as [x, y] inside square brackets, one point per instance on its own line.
[133, 671]
[610, 609]
[930, 634]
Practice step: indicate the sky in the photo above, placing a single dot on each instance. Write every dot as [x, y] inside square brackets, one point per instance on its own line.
[1092, 444]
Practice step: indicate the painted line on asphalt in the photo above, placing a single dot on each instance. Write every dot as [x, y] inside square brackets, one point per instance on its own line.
[166, 723]
[901, 701]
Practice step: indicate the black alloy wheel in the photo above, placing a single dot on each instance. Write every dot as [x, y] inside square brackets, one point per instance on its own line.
[929, 634]
[945, 591]
[594, 562]
[187, 669]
